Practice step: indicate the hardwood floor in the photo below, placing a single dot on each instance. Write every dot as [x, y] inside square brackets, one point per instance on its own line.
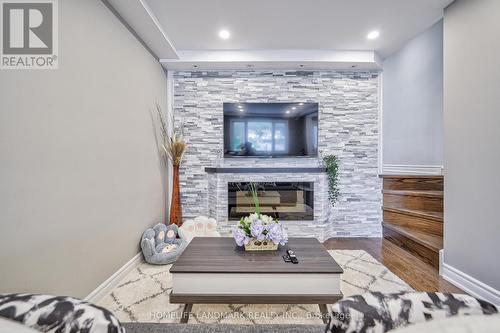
[420, 275]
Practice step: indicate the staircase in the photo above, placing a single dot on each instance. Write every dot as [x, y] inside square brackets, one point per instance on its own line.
[413, 214]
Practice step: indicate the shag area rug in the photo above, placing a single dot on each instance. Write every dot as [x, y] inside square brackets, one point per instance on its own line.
[143, 296]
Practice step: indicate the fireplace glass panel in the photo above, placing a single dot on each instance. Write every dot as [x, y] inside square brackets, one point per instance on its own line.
[286, 201]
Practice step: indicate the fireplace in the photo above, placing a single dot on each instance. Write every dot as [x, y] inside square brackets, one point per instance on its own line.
[286, 201]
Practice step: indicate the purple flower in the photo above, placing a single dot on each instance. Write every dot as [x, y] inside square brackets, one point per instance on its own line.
[240, 237]
[257, 228]
[274, 233]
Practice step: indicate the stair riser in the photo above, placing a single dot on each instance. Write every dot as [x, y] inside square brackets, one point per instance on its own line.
[417, 223]
[424, 253]
[413, 202]
[431, 184]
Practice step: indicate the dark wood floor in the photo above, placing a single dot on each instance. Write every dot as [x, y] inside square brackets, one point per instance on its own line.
[418, 274]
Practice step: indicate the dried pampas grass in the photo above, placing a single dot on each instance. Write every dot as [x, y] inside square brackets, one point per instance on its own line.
[175, 149]
[174, 146]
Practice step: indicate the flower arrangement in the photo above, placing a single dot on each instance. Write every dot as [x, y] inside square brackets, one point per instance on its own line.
[258, 231]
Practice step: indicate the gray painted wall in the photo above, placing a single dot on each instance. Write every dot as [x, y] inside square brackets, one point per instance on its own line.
[348, 127]
[472, 137]
[413, 101]
[80, 177]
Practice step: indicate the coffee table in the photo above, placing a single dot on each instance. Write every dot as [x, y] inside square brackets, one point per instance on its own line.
[213, 270]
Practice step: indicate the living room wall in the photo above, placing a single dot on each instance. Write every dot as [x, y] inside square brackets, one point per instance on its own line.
[80, 174]
[471, 154]
[413, 104]
[348, 127]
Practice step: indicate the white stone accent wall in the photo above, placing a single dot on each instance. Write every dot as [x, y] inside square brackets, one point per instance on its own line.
[348, 128]
[319, 227]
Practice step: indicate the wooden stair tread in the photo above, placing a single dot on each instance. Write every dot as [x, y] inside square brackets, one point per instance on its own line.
[410, 176]
[437, 216]
[413, 213]
[433, 242]
[415, 193]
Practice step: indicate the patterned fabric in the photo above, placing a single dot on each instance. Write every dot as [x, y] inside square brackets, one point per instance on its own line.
[377, 312]
[58, 314]
[462, 324]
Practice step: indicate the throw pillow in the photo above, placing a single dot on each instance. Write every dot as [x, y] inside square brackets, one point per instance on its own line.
[171, 233]
[377, 312]
[58, 314]
[160, 230]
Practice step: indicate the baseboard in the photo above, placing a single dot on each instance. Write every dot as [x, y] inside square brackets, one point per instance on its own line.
[471, 285]
[441, 261]
[114, 279]
[402, 169]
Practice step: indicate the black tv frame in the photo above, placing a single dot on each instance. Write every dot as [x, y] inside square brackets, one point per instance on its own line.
[284, 156]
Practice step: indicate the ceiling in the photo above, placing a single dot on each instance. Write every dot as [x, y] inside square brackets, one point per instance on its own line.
[294, 24]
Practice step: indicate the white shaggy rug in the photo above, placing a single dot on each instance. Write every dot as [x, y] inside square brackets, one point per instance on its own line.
[143, 295]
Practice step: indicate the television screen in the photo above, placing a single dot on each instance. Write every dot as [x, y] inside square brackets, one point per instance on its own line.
[270, 129]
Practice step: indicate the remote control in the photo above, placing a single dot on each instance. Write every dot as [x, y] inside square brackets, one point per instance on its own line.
[292, 256]
[286, 258]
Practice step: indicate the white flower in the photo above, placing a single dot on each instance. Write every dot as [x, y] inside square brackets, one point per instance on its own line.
[266, 219]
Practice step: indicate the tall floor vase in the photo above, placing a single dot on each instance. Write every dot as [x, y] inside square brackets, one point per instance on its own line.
[175, 206]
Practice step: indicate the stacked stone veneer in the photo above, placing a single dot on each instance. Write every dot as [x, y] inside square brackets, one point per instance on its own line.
[218, 201]
[348, 128]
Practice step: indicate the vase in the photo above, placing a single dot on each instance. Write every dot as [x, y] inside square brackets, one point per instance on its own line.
[256, 245]
[175, 206]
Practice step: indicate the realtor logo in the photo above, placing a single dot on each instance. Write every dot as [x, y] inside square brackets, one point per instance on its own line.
[29, 34]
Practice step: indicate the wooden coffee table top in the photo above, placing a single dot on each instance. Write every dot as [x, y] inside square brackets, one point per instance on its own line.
[221, 255]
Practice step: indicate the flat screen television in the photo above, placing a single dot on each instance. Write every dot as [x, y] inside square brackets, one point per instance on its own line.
[270, 129]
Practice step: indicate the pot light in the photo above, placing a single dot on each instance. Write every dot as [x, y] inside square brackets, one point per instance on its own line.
[224, 34]
[287, 111]
[373, 35]
[240, 106]
[293, 108]
[301, 104]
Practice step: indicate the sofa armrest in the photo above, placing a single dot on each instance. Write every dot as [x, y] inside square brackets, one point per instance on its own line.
[377, 312]
[47, 313]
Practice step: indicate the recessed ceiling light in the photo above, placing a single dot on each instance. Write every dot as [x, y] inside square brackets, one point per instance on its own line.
[240, 106]
[373, 34]
[241, 110]
[224, 34]
[301, 103]
[293, 108]
[287, 111]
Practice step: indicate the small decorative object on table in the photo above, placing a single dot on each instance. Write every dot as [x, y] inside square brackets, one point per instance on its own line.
[259, 232]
